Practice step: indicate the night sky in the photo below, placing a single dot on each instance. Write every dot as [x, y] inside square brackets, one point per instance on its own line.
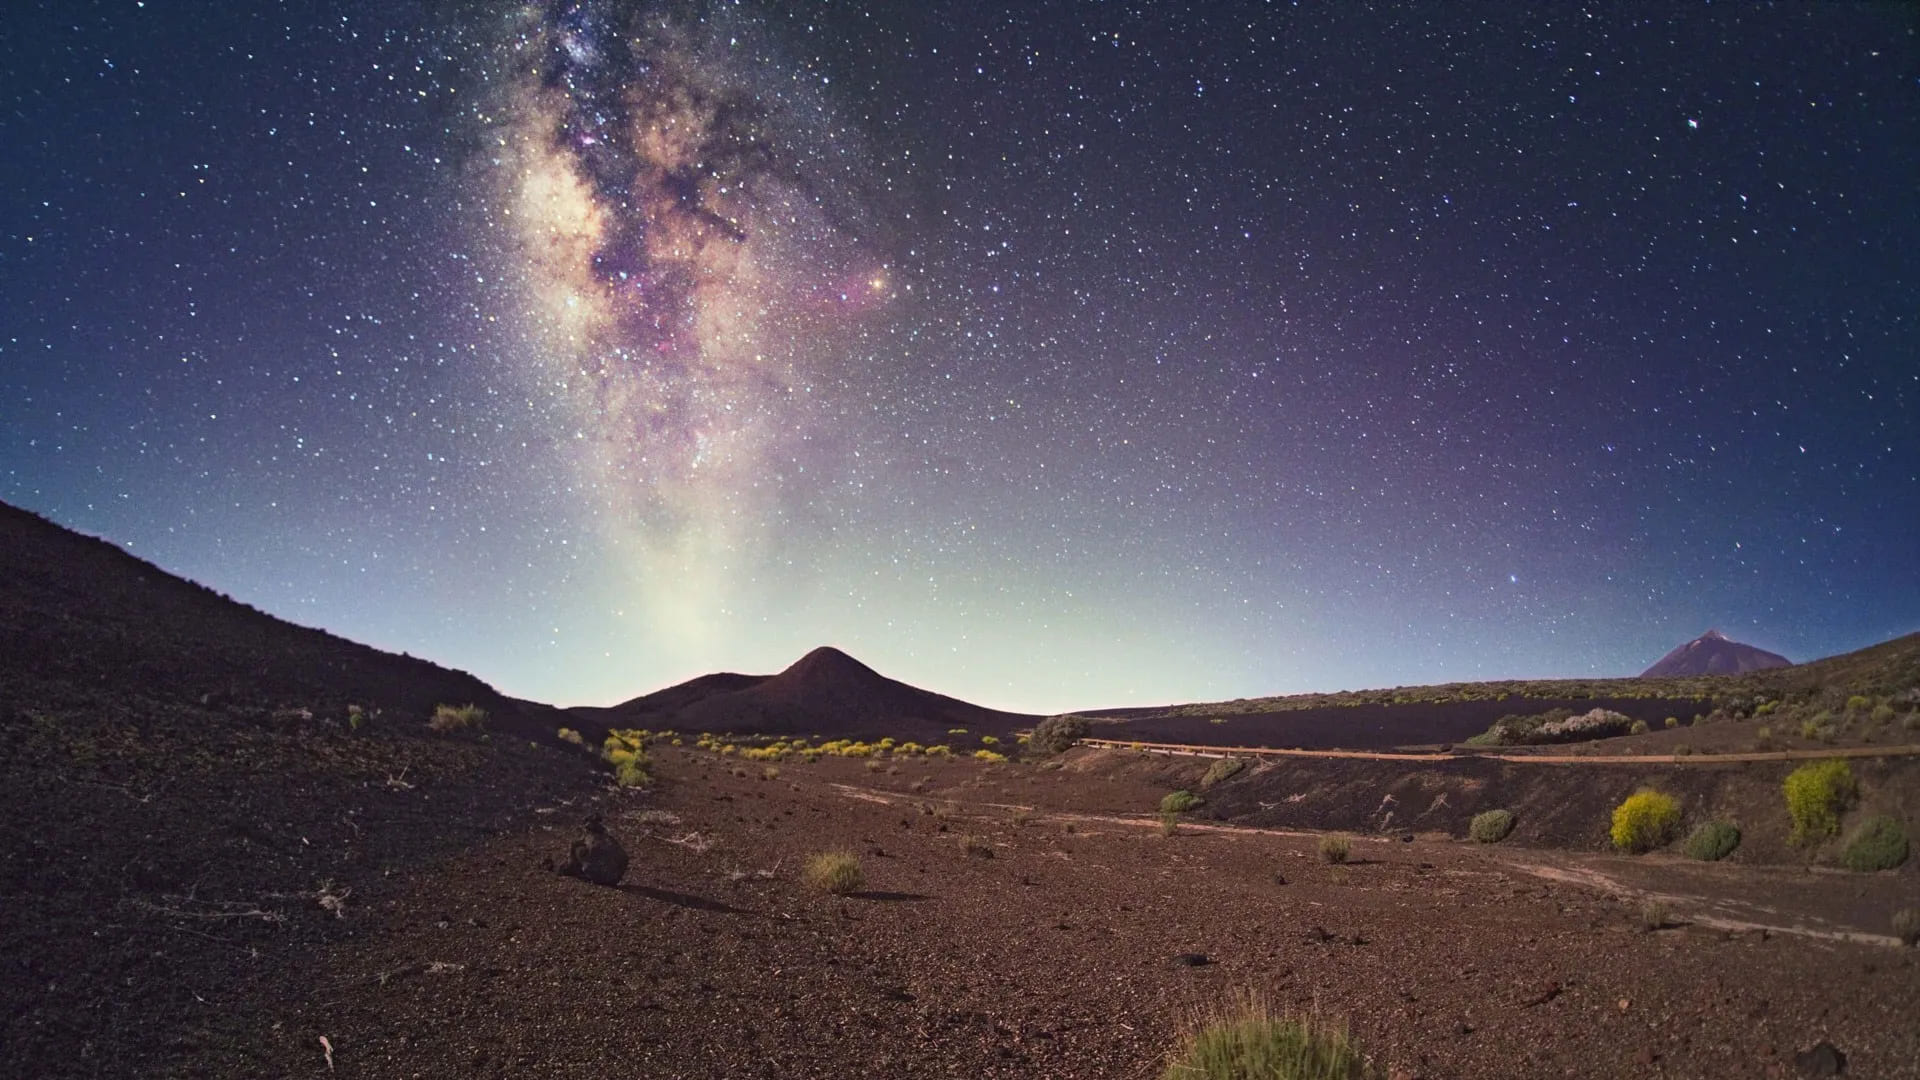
[1048, 355]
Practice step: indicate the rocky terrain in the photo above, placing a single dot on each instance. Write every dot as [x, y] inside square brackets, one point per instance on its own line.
[239, 848]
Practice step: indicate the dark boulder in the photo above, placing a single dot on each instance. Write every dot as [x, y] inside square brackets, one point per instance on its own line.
[596, 856]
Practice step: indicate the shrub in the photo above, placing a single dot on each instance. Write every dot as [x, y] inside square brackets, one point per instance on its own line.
[1638, 727]
[1858, 702]
[1654, 915]
[1673, 721]
[1816, 794]
[568, 735]
[1879, 843]
[1169, 824]
[356, 717]
[631, 771]
[1057, 734]
[836, 872]
[1335, 848]
[989, 756]
[1248, 1040]
[989, 740]
[1906, 926]
[771, 772]
[1646, 820]
[976, 847]
[451, 718]
[1179, 802]
[1882, 714]
[1492, 826]
[1222, 769]
[1712, 841]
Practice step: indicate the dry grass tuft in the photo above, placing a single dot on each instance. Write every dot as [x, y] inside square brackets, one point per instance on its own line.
[1334, 848]
[836, 872]
[1248, 1040]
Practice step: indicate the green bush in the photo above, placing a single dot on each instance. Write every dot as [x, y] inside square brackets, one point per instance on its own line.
[1673, 721]
[836, 872]
[1883, 714]
[1335, 848]
[451, 718]
[1879, 843]
[1179, 802]
[1222, 769]
[1712, 841]
[567, 734]
[1646, 820]
[1816, 794]
[1491, 827]
[1639, 727]
[1249, 1042]
[1056, 734]
[1858, 702]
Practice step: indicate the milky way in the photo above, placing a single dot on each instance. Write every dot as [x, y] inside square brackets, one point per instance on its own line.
[1050, 355]
[685, 227]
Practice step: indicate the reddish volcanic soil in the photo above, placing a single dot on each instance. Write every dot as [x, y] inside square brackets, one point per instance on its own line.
[1076, 949]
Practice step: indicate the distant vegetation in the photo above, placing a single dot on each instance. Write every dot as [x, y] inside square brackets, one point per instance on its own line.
[1906, 926]
[626, 751]
[448, 719]
[1878, 843]
[1179, 802]
[1249, 1040]
[1491, 827]
[1817, 794]
[1712, 841]
[1222, 769]
[1646, 820]
[1056, 734]
[1555, 726]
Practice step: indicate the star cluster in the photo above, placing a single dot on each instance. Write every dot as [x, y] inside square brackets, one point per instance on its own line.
[1049, 356]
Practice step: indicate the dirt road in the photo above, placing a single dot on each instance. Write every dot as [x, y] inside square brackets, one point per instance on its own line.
[1908, 750]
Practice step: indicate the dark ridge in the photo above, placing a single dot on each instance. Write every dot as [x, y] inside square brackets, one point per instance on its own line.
[826, 692]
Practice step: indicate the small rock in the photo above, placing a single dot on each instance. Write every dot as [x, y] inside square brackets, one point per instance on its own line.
[1645, 1057]
[1192, 959]
[596, 856]
[1547, 993]
[1821, 1059]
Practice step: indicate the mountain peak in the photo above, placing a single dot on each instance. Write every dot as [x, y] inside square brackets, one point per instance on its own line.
[1713, 653]
[827, 663]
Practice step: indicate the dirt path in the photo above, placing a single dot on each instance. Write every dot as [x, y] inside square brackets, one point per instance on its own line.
[1908, 750]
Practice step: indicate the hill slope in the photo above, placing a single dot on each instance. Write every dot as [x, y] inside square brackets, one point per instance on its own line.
[186, 792]
[1713, 653]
